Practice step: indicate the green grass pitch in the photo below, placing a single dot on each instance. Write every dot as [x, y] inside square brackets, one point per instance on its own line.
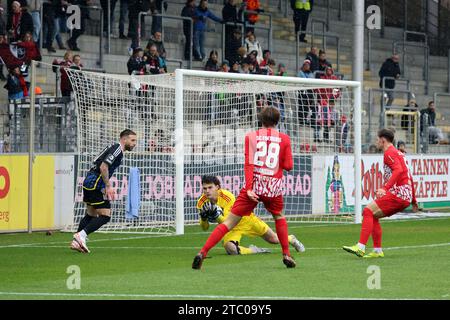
[417, 265]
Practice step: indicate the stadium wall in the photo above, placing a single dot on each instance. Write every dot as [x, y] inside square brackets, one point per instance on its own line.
[324, 183]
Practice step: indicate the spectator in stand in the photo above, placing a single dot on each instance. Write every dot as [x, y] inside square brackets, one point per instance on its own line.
[241, 54]
[269, 69]
[152, 63]
[266, 56]
[134, 8]
[302, 9]
[77, 65]
[224, 66]
[31, 48]
[156, 40]
[201, 14]
[76, 33]
[65, 82]
[251, 44]
[253, 17]
[326, 102]
[232, 47]
[60, 10]
[136, 63]
[15, 84]
[230, 15]
[390, 68]
[342, 134]
[157, 8]
[282, 71]
[428, 118]
[312, 56]
[407, 122]
[306, 98]
[235, 67]
[35, 6]
[105, 7]
[189, 12]
[245, 67]
[401, 146]
[212, 63]
[19, 22]
[323, 62]
[253, 63]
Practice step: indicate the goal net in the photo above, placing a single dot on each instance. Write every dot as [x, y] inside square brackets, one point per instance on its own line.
[193, 123]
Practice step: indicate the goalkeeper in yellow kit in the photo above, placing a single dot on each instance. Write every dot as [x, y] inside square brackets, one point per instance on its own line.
[215, 204]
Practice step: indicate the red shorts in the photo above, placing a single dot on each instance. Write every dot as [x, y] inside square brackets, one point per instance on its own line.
[243, 206]
[391, 204]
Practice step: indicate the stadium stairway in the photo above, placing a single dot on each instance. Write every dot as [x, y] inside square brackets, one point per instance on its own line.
[283, 50]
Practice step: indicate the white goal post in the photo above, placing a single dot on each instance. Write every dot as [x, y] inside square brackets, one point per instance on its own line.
[180, 75]
[192, 123]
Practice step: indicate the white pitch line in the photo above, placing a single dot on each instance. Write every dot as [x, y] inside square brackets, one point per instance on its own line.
[186, 296]
[433, 245]
[294, 226]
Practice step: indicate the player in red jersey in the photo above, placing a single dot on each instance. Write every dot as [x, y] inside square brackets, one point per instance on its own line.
[395, 196]
[267, 153]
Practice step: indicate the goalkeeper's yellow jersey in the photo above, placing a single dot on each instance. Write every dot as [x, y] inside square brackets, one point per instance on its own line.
[225, 200]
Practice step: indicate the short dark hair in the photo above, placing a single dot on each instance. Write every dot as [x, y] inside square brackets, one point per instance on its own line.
[269, 116]
[429, 103]
[387, 134]
[127, 132]
[210, 179]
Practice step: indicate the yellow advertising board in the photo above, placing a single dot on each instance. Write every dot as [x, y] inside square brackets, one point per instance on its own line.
[14, 192]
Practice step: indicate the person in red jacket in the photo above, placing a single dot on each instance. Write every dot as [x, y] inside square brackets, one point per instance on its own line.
[326, 112]
[65, 86]
[267, 153]
[31, 48]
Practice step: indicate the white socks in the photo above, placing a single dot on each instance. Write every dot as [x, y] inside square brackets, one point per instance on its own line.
[361, 246]
[378, 250]
[83, 234]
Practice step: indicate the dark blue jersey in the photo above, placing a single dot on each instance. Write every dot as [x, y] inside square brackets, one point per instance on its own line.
[111, 155]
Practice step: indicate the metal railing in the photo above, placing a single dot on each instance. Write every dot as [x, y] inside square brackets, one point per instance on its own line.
[371, 110]
[426, 48]
[169, 17]
[54, 129]
[95, 8]
[256, 26]
[406, 81]
[324, 25]
[327, 36]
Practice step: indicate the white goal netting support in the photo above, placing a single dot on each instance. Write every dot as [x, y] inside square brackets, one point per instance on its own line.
[193, 123]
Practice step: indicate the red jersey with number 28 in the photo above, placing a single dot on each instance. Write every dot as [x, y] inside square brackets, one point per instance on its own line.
[398, 179]
[267, 153]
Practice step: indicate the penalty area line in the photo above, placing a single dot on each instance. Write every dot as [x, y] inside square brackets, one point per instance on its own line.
[185, 296]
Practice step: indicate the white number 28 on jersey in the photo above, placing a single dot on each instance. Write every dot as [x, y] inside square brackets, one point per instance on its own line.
[270, 152]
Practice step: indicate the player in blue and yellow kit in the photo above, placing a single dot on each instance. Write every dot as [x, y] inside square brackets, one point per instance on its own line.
[215, 204]
[98, 191]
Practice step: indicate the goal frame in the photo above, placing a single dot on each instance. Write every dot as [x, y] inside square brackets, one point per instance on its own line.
[179, 127]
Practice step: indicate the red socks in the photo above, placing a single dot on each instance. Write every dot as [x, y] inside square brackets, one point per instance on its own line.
[367, 226]
[282, 233]
[215, 236]
[376, 233]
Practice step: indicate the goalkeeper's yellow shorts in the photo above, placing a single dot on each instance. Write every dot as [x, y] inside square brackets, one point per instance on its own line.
[251, 226]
